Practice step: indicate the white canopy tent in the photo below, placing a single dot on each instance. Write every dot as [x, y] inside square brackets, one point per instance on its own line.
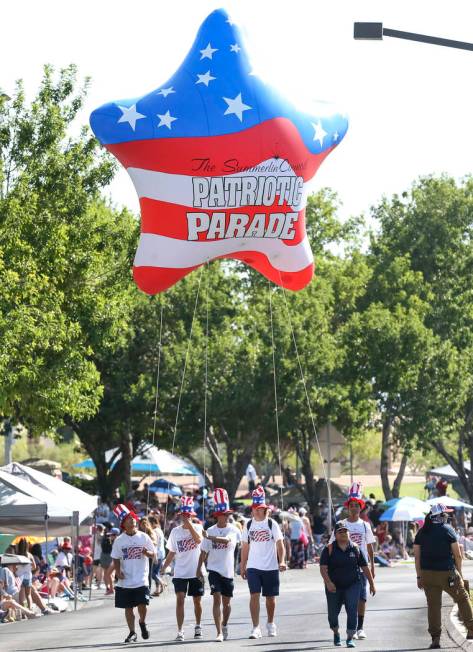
[29, 498]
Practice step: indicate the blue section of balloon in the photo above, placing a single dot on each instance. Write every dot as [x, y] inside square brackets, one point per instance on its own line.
[213, 92]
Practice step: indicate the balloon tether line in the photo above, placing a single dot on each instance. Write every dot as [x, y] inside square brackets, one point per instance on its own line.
[329, 492]
[155, 414]
[276, 411]
[189, 341]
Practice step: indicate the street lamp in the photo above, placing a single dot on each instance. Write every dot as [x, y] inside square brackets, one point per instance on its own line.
[376, 31]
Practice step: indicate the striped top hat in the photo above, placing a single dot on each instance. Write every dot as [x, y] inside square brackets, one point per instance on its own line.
[121, 512]
[259, 498]
[221, 502]
[355, 495]
[187, 506]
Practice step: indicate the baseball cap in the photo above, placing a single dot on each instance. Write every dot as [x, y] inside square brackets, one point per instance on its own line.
[439, 508]
[340, 525]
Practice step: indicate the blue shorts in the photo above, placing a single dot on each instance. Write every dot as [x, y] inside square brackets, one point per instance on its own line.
[364, 588]
[266, 582]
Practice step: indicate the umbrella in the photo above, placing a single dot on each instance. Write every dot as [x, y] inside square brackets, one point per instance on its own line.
[164, 487]
[406, 509]
[406, 499]
[149, 460]
[449, 502]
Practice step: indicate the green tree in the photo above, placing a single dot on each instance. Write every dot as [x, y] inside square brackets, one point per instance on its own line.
[430, 228]
[64, 258]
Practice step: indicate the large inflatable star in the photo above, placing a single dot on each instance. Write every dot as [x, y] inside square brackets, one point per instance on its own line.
[221, 163]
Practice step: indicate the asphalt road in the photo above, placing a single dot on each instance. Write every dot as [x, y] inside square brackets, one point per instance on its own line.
[395, 621]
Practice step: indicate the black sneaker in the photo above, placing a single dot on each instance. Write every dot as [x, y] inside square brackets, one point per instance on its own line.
[131, 638]
[144, 630]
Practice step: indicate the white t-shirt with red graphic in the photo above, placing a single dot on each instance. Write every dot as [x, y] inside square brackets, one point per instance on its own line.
[133, 562]
[221, 557]
[262, 543]
[186, 549]
[360, 533]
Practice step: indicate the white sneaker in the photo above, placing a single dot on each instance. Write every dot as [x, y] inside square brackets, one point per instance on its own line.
[360, 634]
[355, 636]
[219, 638]
[225, 632]
[180, 636]
[272, 629]
[256, 633]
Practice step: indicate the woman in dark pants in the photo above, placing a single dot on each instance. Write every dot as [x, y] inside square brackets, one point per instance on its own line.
[439, 568]
[341, 564]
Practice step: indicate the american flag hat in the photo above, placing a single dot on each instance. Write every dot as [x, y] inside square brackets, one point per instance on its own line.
[221, 502]
[259, 498]
[355, 494]
[187, 506]
[121, 512]
[439, 508]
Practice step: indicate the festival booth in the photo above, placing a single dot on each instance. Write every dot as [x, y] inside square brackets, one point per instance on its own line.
[34, 503]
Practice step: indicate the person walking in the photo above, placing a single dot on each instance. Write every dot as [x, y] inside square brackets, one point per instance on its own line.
[131, 553]
[439, 568]
[361, 534]
[218, 549]
[262, 557]
[342, 564]
[184, 547]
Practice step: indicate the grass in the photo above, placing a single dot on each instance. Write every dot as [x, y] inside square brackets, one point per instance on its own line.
[412, 489]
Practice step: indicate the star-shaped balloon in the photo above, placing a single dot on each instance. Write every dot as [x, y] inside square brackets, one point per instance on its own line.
[221, 163]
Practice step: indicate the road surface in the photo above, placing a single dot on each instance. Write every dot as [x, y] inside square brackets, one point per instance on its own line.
[395, 621]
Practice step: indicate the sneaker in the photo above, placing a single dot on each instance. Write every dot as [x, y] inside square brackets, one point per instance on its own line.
[435, 645]
[46, 611]
[256, 633]
[337, 640]
[351, 643]
[360, 634]
[225, 632]
[272, 629]
[198, 631]
[180, 636]
[219, 638]
[144, 630]
[131, 638]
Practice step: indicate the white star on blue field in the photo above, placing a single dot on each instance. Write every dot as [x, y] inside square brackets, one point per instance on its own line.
[213, 93]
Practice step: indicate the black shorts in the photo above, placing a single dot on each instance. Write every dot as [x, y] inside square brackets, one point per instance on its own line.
[220, 584]
[190, 585]
[129, 598]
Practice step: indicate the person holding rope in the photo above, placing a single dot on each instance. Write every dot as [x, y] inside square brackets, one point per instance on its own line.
[131, 553]
[361, 534]
[340, 566]
[218, 547]
[184, 547]
[262, 557]
[439, 568]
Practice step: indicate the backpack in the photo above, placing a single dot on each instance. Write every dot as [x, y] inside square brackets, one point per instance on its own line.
[270, 524]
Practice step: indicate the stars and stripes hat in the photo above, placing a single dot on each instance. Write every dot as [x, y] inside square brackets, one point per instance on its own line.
[221, 502]
[187, 506]
[122, 512]
[355, 495]
[222, 164]
[259, 498]
[440, 508]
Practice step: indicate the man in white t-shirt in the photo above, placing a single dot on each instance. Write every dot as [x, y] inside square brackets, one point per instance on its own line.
[184, 547]
[218, 548]
[361, 534]
[251, 476]
[130, 553]
[262, 557]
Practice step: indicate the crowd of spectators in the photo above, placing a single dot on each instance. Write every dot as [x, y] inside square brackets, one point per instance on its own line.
[35, 582]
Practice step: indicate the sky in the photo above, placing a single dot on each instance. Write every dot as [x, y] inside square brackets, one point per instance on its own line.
[410, 105]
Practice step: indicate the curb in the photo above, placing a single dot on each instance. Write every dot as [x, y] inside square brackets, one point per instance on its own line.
[455, 629]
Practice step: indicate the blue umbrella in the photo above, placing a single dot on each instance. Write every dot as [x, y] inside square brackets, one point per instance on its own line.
[162, 486]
